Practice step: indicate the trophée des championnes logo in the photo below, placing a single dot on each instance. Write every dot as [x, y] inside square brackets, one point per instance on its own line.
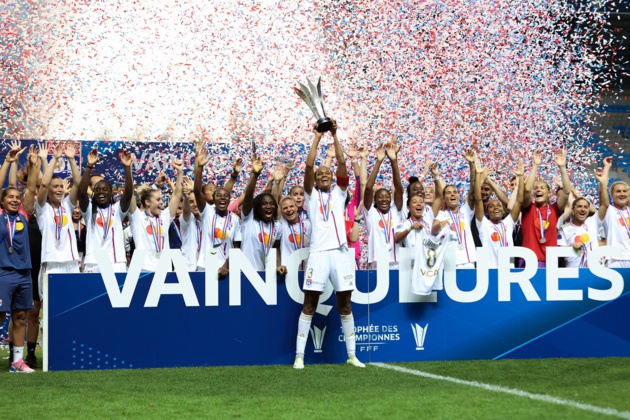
[318, 338]
[419, 334]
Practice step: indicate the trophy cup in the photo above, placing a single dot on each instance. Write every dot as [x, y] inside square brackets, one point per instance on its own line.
[312, 96]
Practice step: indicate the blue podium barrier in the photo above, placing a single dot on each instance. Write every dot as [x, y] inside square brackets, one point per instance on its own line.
[193, 319]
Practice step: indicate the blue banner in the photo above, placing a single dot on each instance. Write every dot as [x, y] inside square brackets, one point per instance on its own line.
[242, 320]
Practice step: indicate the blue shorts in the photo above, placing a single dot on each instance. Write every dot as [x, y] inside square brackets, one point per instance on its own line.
[16, 290]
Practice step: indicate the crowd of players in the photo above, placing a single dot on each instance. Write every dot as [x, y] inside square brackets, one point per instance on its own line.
[57, 226]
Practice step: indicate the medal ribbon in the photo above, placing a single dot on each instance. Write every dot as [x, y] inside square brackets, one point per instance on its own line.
[386, 226]
[106, 222]
[542, 225]
[295, 242]
[58, 222]
[623, 218]
[227, 223]
[11, 228]
[267, 243]
[158, 239]
[502, 232]
[583, 261]
[456, 222]
[325, 208]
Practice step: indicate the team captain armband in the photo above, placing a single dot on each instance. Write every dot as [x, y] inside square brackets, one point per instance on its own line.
[343, 181]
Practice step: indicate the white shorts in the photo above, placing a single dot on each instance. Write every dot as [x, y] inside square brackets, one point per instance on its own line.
[335, 264]
[55, 268]
[119, 267]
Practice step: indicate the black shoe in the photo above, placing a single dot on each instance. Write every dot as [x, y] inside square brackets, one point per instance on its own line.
[31, 361]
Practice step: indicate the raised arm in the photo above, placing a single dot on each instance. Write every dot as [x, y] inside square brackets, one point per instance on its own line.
[497, 191]
[12, 156]
[84, 198]
[309, 170]
[236, 171]
[187, 188]
[604, 198]
[70, 153]
[439, 185]
[31, 183]
[368, 198]
[278, 185]
[342, 170]
[48, 173]
[471, 158]
[128, 201]
[248, 199]
[330, 154]
[481, 177]
[363, 151]
[520, 182]
[531, 179]
[201, 159]
[392, 153]
[173, 205]
[561, 161]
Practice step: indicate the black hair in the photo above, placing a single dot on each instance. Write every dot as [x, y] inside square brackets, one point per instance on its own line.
[257, 206]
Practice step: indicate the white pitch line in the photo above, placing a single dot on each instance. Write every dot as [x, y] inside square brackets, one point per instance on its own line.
[517, 392]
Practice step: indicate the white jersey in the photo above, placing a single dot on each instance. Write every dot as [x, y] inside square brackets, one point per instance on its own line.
[104, 231]
[429, 251]
[617, 226]
[257, 238]
[151, 234]
[495, 236]
[427, 216]
[568, 234]
[293, 237]
[460, 226]
[59, 243]
[326, 213]
[218, 232]
[381, 235]
[192, 235]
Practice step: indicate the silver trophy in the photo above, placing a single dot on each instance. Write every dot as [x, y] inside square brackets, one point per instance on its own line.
[312, 96]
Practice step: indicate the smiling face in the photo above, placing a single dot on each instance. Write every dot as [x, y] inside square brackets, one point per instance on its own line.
[429, 194]
[581, 210]
[192, 202]
[619, 193]
[494, 209]
[153, 204]
[297, 193]
[451, 197]
[55, 191]
[323, 179]
[265, 207]
[221, 200]
[416, 207]
[540, 193]
[11, 200]
[382, 200]
[102, 194]
[416, 189]
[289, 210]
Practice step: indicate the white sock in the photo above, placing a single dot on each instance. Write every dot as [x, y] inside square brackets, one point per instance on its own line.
[18, 353]
[347, 326]
[304, 325]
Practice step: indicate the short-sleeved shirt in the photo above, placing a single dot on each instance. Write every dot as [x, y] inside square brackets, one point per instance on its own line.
[326, 213]
[104, 230]
[294, 236]
[14, 231]
[150, 233]
[257, 238]
[495, 236]
[381, 234]
[568, 234]
[532, 232]
[460, 227]
[617, 226]
[59, 243]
